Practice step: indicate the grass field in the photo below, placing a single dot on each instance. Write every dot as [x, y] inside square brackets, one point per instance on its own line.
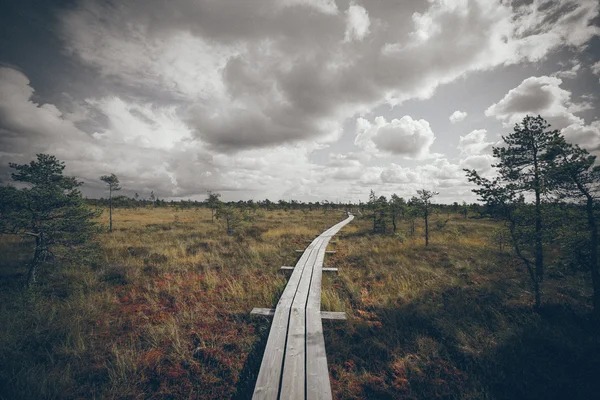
[164, 313]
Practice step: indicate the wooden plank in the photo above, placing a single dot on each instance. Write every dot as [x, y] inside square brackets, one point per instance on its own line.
[294, 369]
[294, 372]
[295, 352]
[333, 316]
[324, 269]
[267, 312]
[326, 315]
[267, 382]
[317, 373]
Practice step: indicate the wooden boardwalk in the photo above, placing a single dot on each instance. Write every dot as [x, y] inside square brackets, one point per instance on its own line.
[294, 365]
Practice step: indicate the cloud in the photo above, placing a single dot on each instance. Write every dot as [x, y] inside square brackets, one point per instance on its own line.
[405, 136]
[150, 148]
[544, 96]
[569, 73]
[324, 6]
[596, 68]
[397, 174]
[238, 96]
[473, 143]
[142, 125]
[457, 116]
[482, 163]
[349, 159]
[357, 23]
[136, 144]
[439, 174]
[270, 73]
[538, 96]
[27, 126]
[586, 136]
[476, 152]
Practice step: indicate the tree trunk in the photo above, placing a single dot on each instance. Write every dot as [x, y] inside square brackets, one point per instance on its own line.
[110, 208]
[394, 222]
[426, 227]
[212, 215]
[594, 254]
[31, 276]
[37, 255]
[536, 288]
[374, 223]
[539, 251]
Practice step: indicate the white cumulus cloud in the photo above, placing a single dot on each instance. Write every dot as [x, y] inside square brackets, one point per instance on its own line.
[596, 69]
[405, 136]
[474, 143]
[537, 96]
[457, 116]
[587, 136]
[543, 96]
[357, 23]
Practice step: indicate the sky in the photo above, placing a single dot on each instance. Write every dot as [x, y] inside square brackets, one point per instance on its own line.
[290, 99]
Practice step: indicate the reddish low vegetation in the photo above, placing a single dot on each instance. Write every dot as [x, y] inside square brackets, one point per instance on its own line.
[163, 312]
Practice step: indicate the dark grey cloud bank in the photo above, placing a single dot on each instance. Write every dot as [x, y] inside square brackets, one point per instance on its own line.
[242, 97]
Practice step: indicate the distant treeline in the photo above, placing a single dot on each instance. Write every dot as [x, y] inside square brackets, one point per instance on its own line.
[132, 202]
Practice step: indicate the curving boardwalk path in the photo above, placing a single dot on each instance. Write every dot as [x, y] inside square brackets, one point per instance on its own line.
[294, 365]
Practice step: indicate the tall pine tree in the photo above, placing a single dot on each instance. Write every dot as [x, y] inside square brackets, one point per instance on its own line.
[49, 208]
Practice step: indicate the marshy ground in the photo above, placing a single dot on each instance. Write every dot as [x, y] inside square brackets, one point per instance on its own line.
[163, 312]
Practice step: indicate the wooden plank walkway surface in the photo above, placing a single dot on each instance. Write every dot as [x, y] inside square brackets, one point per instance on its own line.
[294, 365]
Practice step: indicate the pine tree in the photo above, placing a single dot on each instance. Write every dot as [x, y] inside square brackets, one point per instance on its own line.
[112, 182]
[397, 208]
[214, 202]
[576, 178]
[424, 202]
[50, 209]
[524, 164]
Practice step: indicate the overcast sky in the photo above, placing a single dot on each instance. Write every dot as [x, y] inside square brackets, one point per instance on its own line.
[290, 99]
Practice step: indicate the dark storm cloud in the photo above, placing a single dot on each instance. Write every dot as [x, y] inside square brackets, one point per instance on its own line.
[185, 96]
[287, 73]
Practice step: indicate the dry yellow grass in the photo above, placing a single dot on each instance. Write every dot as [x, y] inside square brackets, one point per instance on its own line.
[288, 231]
[452, 320]
[163, 312]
